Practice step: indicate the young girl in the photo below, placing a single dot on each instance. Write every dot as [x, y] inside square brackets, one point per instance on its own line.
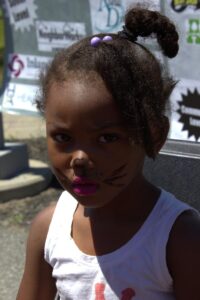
[112, 234]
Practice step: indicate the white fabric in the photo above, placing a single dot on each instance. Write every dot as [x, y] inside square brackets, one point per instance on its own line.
[137, 270]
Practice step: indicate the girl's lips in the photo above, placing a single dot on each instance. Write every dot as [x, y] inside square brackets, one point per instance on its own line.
[84, 187]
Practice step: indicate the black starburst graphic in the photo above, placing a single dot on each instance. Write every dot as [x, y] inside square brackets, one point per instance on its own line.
[189, 110]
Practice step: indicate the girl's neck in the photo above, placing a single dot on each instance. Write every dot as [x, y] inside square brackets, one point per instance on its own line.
[102, 230]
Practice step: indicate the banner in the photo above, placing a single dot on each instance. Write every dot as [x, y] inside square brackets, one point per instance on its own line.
[185, 100]
[108, 15]
[31, 31]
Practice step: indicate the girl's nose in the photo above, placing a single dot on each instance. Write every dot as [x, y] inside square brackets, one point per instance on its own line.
[81, 160]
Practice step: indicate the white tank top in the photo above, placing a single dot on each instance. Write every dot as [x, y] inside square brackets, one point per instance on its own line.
[137, 270]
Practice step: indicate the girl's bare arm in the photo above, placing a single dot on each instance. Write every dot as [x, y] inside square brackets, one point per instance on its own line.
[37, 282]
[183, 255]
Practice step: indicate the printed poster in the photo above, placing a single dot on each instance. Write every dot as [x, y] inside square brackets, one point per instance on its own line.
[185, 121]
[31, 31]
[108, 15]
[185, 100]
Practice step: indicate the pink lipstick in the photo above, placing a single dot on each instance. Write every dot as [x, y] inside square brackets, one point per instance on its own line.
[84, 187]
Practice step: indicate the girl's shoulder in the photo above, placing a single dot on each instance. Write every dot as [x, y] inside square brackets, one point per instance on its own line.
[43, 219]
[185, 233]
[40, 224]
[45, 215]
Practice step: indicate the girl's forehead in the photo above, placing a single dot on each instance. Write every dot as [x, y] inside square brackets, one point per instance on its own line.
[82, 100]
[77, 87]
[79, 92]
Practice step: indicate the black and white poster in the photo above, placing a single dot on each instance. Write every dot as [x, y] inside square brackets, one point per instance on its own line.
[31, 31]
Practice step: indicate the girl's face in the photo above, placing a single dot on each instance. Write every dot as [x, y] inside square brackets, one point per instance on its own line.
[89, 148]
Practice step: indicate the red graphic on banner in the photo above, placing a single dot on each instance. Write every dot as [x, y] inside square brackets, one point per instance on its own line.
[16, 65]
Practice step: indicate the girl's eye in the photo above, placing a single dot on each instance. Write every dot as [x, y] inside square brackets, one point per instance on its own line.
[61, 138]
[108, 138]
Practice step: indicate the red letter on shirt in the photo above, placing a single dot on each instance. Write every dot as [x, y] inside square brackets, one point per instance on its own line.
[99, 291]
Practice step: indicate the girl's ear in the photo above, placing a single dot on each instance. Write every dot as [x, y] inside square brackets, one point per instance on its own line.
[159, 134]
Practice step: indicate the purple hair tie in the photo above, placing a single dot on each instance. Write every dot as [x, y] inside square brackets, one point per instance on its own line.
[95, 41]
[107, 38]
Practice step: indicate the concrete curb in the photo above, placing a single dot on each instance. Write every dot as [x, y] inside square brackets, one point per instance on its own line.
[28, 183]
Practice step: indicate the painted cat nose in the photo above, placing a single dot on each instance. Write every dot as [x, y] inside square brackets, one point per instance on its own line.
[81, 159]
[81, 166]
[80, 162]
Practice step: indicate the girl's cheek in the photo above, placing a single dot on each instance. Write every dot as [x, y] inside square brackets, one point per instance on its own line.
[60, 159]
[57, 158]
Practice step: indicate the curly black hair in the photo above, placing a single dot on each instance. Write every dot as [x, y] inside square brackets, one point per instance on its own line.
[131, 73]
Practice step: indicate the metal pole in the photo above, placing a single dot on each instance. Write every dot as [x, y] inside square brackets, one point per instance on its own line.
[1, 116]
[1, 132]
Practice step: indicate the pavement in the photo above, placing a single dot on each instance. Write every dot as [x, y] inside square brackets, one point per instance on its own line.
[12, 256]
[13, 238]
